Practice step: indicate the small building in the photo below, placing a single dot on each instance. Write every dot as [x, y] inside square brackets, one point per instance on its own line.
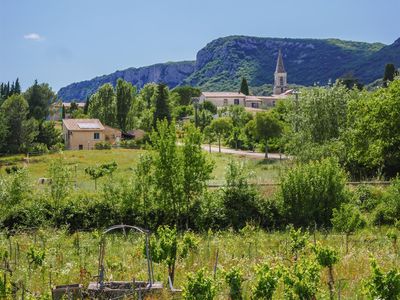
[82, 134]
[280, 91]
[55, 110]
[112, 135]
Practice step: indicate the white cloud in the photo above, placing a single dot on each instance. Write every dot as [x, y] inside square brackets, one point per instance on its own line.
[33, 37]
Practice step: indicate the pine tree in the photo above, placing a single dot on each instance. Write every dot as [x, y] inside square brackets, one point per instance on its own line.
[244, 87]
[162, 110]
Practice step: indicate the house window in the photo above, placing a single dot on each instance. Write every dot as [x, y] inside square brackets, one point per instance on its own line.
[273, 102]
[96, 136]
[236, 101]
[225, 102]
[254, 105]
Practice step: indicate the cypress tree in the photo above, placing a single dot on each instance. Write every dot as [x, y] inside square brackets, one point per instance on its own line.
[63, 112]
[86, 107]
[17, 87]
[244, 87]
[162, 110]
[390, 72]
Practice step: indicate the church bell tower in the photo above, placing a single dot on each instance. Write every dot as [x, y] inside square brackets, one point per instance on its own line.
[280, 83]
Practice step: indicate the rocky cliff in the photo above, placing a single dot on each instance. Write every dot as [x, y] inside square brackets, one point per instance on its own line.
[222, 62]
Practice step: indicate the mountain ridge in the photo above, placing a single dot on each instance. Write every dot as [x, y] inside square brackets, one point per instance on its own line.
[222, 62]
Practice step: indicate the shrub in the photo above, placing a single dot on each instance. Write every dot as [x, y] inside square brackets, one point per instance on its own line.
[266, 284]
[327, 257]
[347, 219]
[199, 286]
[240, 199]
[38, 148]
[310, 192]
[102, 145]
[388, 211]
[383, 285]
[130, 144]
[301, 280]
[234, 278]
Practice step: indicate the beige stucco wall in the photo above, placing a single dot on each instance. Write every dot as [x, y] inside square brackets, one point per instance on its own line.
[85, 138]
[220, 102]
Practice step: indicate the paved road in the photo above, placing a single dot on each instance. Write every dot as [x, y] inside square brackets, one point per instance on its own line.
[244, 153]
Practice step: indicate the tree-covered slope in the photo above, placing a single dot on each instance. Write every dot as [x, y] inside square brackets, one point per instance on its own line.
[222, 62]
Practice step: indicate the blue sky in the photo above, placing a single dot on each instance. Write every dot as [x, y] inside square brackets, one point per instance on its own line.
[65, 41]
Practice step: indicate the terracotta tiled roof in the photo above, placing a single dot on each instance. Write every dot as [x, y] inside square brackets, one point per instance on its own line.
[83, 124]
[223, 95]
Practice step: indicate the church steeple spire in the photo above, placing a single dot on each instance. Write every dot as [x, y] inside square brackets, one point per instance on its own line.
[280, 84]
[279, 64]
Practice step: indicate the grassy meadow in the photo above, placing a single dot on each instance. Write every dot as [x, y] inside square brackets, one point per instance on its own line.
[267, 172]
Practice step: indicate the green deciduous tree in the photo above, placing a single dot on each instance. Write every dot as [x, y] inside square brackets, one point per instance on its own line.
[373, 136]
[125, 94]
[168, 171]
[347, 219]
[196, 167]
[60, 174]
[266, 127]
[221, 128]
[102, 105]
[327, 257]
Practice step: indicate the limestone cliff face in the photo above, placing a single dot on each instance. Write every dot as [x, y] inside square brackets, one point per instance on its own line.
[221, 64]
[169, 73]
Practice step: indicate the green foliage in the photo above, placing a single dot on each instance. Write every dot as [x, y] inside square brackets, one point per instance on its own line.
[234, 279]
[35, 257]
[199, 286]
[21, 131]
[185, 94]
[244, 87]
[161, 105]
[104, 145]
[15, 188]
[60, 174]
[39, 98]
[302, 280]
[310, 192]
[240, 200]
[196, 167]
[347, 219]
[167, 170]
[48, 134]
[390, 73]
[266, 126]
[221, 127]
[100, 171]
[388, 210]
[164, 248]
[297, 241]
[267, 282]
[124, 100]
[326, 256]
[373, 136]
[207, 105]
[382, 285]
[102, 105]
[190, 242]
